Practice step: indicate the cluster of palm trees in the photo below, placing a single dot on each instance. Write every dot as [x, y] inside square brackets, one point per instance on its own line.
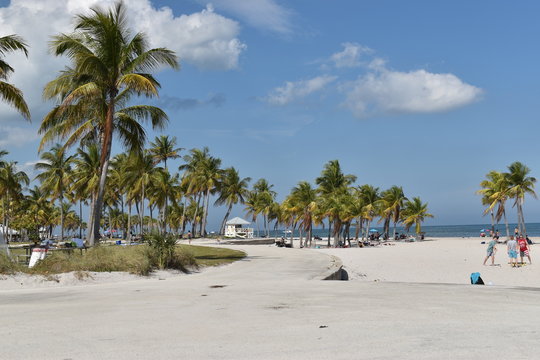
[498, 187]
[96, 100]
[337, 202]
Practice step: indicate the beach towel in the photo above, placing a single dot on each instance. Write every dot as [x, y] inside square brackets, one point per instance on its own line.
[476, 279]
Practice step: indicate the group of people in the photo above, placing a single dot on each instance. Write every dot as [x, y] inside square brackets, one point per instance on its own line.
[518, 244]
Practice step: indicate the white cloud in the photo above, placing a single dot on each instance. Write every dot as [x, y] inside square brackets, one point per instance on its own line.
[263, 14]
[386, 92]
[350, 56]
[296, 90]
[205, 39]
[13, 136]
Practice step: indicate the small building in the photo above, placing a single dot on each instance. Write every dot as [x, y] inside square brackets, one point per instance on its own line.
[234, 228]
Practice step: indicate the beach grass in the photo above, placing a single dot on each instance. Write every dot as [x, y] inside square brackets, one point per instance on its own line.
[138, 260]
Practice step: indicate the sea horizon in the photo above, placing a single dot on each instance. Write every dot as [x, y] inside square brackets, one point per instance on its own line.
[471, 230]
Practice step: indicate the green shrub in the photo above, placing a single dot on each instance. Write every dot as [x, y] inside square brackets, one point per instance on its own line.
[7, 266]
[162, 250]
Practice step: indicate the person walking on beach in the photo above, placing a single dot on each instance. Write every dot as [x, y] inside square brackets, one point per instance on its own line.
[524, 249]
[511, 246]
[491, 250]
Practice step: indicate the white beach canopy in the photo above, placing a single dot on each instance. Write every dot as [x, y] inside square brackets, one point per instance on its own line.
[237, 221]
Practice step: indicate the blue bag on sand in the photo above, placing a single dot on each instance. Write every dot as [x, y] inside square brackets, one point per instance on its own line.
[476, 279]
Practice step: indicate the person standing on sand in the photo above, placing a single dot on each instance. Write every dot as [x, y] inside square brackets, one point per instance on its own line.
[491, 250]
[524, 249]
[511, 246]
[189, 236]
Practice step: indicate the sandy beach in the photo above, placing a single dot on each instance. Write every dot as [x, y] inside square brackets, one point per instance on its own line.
[274, 305]
[443, 260]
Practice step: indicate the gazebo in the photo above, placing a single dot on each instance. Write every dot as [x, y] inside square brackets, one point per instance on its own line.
[233, 229]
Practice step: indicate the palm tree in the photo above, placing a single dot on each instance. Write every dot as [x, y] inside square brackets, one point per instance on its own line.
[393, 200]
[54, 177]
[138, 173]
[264, 196]
[370, 199]
[108, 67]
[495, 191]
[415, 212]
[520, 185]
[86, 174]
[208, 176]
[164, 148]
[162, 186]
[232, 190]
[11, 186]
[8, 92]
[302, 202]
[332, 183]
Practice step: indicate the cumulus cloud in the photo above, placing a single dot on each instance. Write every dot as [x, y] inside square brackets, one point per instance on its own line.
[13, 136]
[205, 39]
[262, 14]
[350, 56]
[387, 91]
[297, 90]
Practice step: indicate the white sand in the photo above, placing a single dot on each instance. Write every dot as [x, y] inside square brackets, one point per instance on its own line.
[444, 260]
[271, 306]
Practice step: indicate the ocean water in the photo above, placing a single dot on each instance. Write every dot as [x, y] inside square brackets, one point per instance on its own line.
[533, 230]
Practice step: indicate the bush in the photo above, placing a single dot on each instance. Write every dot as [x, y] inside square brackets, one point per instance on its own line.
[7, 266]
[161, 249]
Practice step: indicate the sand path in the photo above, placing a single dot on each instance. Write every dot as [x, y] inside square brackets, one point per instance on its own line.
[269, 306]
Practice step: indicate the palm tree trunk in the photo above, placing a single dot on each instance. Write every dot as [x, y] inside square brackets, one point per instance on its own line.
[506, 224]
[142, 206]
[524, 232]
[151, 209]
[61, 218]
[329, 231]
[205, 213]
[128, 230]
[80, 218]
[110, 223]
[227, 214]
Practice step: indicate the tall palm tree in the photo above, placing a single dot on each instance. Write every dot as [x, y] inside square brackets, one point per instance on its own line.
[138, 173]
[208, 176]
[108, 67]
[164, 148]
[86, 173]
[162, 186]
[521, 184]
[265, 197]
[232, 190]
[415, 212]
[54, 177]
[8, 92]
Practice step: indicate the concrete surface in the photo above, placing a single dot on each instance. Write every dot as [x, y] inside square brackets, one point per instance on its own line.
[270, 306]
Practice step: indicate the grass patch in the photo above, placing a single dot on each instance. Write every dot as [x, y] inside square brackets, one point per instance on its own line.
[209, 256]
[139, 259]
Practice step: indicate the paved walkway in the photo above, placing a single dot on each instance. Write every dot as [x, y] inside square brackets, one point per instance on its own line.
[269, 306]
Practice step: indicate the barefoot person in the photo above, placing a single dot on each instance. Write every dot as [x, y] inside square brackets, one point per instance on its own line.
[524, 249]
[491, 250]
[511, 246]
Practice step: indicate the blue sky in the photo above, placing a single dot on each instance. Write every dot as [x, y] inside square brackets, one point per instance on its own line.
[428, 95]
